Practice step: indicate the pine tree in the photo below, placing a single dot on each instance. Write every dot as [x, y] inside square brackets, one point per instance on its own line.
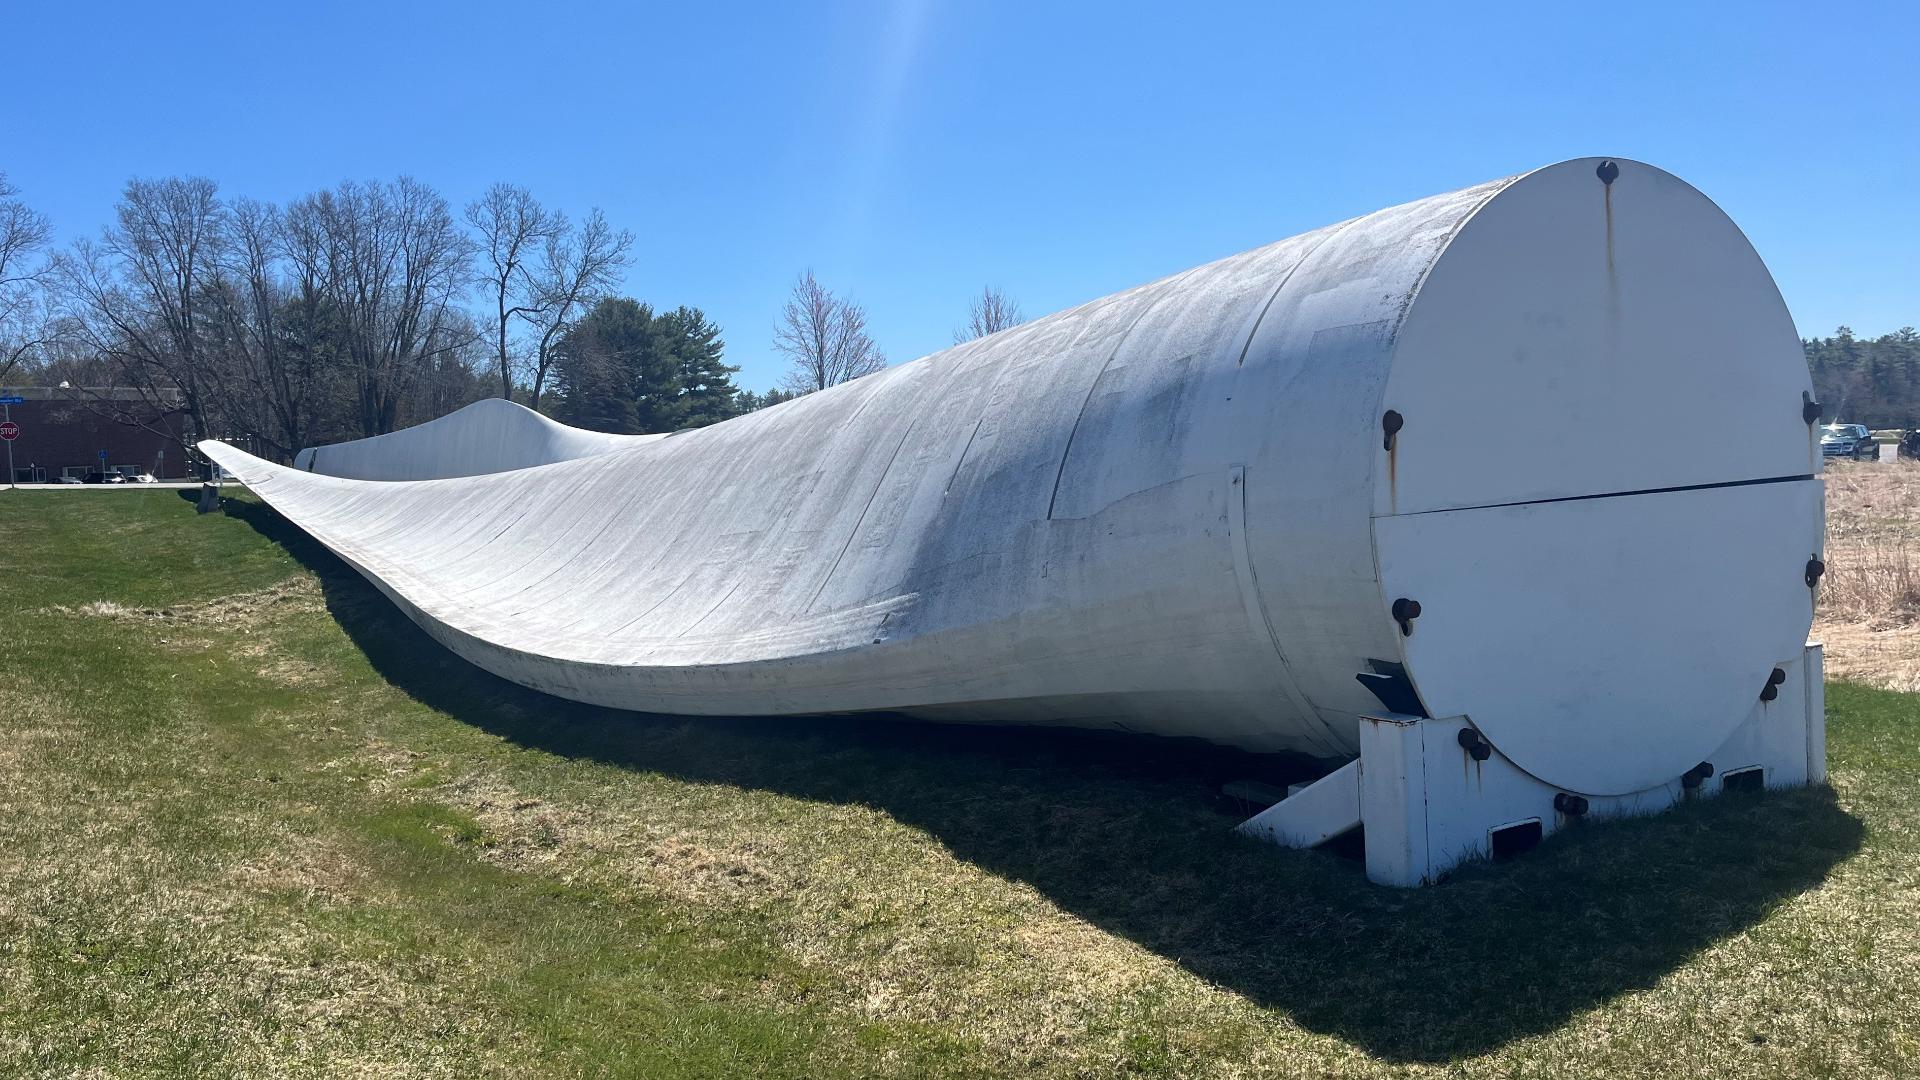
[707, 393]
[613, 373]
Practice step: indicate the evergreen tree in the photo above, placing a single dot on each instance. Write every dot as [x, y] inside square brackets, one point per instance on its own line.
[707, 393]
[591, 393]
[747, 401]
[1872, 381]
[623, 368]
[612, 374]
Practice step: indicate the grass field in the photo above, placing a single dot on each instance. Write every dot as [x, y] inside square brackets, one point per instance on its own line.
[252, 822]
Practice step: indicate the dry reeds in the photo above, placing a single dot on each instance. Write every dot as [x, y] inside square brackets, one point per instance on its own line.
[1869, 612]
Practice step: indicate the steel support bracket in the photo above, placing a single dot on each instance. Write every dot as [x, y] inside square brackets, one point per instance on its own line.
[1428, 805]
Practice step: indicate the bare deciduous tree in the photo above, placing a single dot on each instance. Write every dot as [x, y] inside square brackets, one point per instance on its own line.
[988, 313]
[241, 296]
[825, 337]
[24, 321]
[395, 261]
[274, 324]
[136, 297]
[457, 358]
[576, 269]
[513, 228]
[340, 315]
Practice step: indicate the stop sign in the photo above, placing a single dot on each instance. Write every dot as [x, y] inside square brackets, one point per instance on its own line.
[9, 430]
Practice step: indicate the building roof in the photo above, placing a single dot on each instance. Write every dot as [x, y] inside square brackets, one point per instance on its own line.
[93, 393]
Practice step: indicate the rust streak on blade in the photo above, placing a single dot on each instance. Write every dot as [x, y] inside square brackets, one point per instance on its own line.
[1393, 477]
[1607, 196]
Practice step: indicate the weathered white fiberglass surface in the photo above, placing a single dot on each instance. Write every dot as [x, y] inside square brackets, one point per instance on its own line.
[487, 436]
[1166, 510]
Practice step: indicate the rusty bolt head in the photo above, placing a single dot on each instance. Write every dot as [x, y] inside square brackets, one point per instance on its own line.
[1391, 422]
[1475, 746]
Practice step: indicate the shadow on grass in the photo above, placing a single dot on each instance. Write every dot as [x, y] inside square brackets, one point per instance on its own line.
[1131, 834]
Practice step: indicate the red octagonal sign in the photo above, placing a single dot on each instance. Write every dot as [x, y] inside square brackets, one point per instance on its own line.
[9, 430]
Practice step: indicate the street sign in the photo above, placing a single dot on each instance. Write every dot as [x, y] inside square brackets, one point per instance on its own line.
[103, 455]
[13, 401]
[9, 430]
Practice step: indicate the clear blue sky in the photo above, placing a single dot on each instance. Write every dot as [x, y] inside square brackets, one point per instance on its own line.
[911, 152]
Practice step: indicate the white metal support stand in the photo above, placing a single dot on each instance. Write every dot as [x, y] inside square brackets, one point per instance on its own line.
[1432, 794]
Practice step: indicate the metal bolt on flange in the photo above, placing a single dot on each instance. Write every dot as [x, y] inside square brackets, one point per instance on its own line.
[1475, 746]
[1772, 689]
[1810, 409]
[1404, 612]
[1391, 422]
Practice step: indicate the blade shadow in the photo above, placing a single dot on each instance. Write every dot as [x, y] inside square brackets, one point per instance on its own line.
[1132, 834]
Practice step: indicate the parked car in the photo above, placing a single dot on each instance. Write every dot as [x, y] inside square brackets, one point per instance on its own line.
[1910, 443]
[105, 478]
[141, 478]
[69, 480]
[1848, 440]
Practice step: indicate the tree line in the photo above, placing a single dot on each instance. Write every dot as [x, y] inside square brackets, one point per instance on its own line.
[370, 306]
[1871, 381]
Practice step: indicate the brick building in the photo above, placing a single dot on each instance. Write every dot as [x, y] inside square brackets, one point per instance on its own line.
[63, 431]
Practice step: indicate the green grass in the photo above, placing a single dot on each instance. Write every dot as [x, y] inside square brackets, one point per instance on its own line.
[252, 822]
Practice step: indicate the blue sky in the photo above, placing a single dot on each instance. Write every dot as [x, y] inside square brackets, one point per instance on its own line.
[911, 152]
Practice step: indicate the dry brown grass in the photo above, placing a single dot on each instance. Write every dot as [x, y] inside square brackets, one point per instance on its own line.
[1869, 614]
[297, 595]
